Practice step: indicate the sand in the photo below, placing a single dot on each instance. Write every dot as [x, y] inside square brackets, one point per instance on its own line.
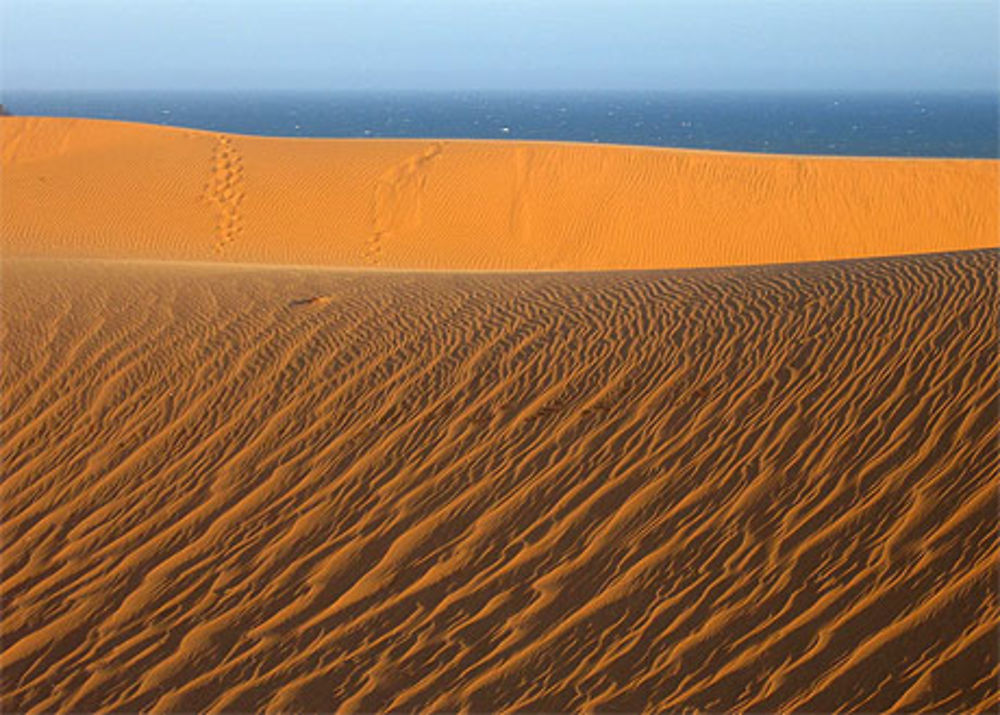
[236, 487]
[100, 189]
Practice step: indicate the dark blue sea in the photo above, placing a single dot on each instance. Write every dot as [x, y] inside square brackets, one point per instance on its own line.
[952, 125]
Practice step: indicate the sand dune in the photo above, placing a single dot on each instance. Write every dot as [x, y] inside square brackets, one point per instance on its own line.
[87, 188]
[242, 488]
[245, 487]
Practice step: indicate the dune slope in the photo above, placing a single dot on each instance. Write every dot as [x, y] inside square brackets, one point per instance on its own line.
[758, 488]
[89, 188]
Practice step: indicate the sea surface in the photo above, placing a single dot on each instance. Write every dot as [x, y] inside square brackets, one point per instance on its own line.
[948, 125]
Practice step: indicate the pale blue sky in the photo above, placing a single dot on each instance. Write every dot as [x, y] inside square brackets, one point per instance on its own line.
[500, 44]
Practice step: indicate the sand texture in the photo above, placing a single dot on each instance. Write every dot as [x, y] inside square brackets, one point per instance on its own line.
[239, 488]
[87, 188]
[239, 474]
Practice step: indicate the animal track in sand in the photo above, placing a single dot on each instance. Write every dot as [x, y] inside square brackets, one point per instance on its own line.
[397, 202]
[225, 189]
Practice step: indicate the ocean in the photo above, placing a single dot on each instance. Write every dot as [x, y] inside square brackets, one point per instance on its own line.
[931, 125]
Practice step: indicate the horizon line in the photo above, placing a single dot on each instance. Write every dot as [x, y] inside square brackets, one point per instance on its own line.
[531, 90]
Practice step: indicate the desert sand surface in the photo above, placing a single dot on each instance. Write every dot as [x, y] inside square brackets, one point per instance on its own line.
[240, 474]
[101, 189]
[245, 488]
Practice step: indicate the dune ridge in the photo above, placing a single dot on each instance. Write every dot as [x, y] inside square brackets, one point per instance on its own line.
[307, 490]
[102, 189]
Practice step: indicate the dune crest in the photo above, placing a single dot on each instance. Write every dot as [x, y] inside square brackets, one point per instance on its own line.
[100, 189]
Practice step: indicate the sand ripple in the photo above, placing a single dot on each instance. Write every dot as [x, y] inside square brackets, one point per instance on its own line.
[762, 488]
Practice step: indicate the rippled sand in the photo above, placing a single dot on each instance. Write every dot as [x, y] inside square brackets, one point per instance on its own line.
[242, 488]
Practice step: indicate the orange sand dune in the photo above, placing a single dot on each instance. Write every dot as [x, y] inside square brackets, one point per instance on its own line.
[240, 488]
[89, 188]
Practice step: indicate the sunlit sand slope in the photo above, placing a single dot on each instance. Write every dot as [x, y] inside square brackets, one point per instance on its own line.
[760, 488]
[106, 189]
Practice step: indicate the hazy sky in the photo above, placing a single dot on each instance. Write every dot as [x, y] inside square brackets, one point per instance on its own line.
[500, 44]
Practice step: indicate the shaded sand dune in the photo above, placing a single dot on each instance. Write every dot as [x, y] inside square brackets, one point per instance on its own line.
[87, 188]
[238, 488]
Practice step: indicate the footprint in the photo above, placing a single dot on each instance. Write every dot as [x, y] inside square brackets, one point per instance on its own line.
[398, 200]
[225, 190]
